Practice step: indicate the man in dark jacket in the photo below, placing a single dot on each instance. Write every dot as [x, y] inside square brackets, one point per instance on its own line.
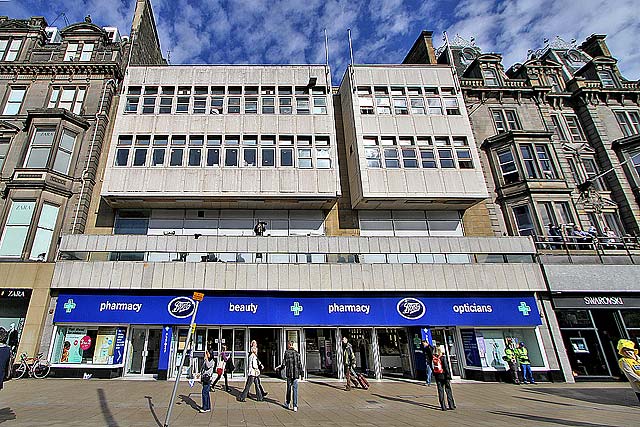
[442, 375]
[5, 356]
[292, 365]
[348, 360]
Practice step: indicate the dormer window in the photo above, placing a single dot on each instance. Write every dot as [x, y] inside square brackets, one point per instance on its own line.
[606, 78]
[79, 52]
[490, 77]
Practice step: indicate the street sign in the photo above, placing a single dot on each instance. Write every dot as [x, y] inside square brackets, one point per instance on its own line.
[197, 296]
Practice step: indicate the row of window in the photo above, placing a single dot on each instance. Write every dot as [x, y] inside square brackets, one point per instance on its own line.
[230, 151]
[536, 163]
[419, 152]
[401, 100]
[490, 78]
[67, 97]
[229, 100]
[16, 230]
[298, 258]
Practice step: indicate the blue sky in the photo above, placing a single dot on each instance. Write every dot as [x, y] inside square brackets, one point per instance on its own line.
[280, 31]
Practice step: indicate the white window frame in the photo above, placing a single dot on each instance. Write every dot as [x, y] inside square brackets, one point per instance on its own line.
[9, 49]
[14, 102]
[69, 98]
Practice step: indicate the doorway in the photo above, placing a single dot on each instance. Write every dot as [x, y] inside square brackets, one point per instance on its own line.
[609, 329]
[144, 351]
[269, 349]
[395, 352]
[445, 339]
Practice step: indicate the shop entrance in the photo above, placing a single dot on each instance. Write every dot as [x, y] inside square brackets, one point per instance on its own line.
[361, 340]
[144, 351]
[446, 340]
[270, 350]
[395, 353]
[609, 330]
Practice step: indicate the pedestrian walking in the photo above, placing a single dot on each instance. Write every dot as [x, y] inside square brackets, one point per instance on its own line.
[512, 360]
[293, 370]
[221, 369]
[205, 378]
[254, 371]
[5, 356]
[427, 350]
[630, 364]
[348, 360]
[258, 381]
[442, 375]
[522, 353]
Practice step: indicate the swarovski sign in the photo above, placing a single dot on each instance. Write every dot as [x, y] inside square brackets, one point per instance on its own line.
[603, 300]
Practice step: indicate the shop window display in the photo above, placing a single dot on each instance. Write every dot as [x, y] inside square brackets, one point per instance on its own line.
[394, 352]
[361, 340]
[88, 345]
[492, 344]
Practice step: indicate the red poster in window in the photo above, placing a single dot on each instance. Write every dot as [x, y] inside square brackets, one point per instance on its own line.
[85, 342]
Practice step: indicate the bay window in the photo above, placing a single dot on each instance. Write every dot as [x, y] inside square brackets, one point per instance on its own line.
[16, 230]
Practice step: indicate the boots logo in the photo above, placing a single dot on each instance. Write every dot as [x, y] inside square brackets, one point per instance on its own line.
[181, 307]
[411, 308]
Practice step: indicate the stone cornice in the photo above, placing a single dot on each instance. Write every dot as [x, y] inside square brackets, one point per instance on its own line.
[110, 69]
[60, 113]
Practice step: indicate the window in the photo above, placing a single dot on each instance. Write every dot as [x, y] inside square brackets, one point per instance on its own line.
[196, 142]
[451, 105]
[40, 148]
[65, 152]
[250, 156]
[400, 106]
[199, 105]
[523, 219]
[268, 105]
[635, 161]
[9, 49]
[166, 105]
[365, 100]
[251, 105]
[14, 100]
[70, 53]
[140, 150]
[68, 97]
[319, 105]
[304, 158]
[148, 104]
[372, 152]
[574, 128]
[122, 150]
[4, 149]
[544, 159]
[231, 157]
[176, 154]
[160, 143]
[132, 102]
[233, 105]
[216, 105]
[16, 229]
[435, 106]
[427, 155]
[323, 157]
[629, 122]
[446, 158]
[508, 166]
[529, 161]
[591, 170]
[547, 215]
[182, 104]
[606, 77]
[391, 159]
[87, 50]
[463, 153]
[417, 106]
[285, 105]
[564, 212]
[268, 157]
[490, 77]
[44, 232]
[213, 150]
[302, 105]
[383, 105]
[558, 130]
[505, 120]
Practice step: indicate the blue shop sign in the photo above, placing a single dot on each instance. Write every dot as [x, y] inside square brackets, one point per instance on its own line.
[280, 311]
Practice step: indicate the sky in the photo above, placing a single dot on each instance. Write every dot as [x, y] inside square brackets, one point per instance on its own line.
[383, 31]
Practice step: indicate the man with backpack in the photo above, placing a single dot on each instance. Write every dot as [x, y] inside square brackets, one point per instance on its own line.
[442, 375]
[348, 360]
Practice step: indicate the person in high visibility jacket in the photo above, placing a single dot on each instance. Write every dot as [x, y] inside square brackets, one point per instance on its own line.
[512, 360]
[630, 364]
[522, 353]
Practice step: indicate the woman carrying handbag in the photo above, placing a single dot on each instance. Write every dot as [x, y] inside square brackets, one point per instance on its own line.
[205, 378]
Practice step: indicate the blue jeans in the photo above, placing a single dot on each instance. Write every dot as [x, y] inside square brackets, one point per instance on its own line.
[292, 383]
[429, 373]
[206, 398]
[527, 375]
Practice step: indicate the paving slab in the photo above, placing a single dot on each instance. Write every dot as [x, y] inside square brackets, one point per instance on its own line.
[119, 403]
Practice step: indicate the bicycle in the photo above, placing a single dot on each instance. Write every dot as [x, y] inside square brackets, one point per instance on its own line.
[36, 366]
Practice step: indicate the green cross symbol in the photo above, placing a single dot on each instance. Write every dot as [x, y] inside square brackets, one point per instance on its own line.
[296, 308]
[524, 308]
[69, 305]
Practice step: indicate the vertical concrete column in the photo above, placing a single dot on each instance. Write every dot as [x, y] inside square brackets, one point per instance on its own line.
[36, 313]
[558, 343]
[376, 354]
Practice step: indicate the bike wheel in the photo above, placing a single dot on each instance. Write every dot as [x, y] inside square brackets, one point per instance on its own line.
[20, 371]
[41, 369]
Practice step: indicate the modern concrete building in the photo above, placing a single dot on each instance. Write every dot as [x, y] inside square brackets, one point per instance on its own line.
[304, 213]
[56, 92]
[563, 118]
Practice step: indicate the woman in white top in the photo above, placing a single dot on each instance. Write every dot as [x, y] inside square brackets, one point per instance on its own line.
[207, 372]
[254, 371]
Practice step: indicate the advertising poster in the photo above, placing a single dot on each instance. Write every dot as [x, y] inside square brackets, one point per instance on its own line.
[118, 350]
[71, 351]
[105, 343]
[470, 344]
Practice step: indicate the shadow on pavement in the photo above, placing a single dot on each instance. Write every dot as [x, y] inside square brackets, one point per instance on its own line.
[153, 411]
[7, 414]
[340, 387]
[604, 396]
[104, 407]
[541, 419]
[410, 402]
[189, 401]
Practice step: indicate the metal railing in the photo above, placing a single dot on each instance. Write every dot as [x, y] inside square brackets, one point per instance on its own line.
[600, 246]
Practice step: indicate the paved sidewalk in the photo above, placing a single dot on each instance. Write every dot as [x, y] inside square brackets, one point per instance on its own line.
[60, 402]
